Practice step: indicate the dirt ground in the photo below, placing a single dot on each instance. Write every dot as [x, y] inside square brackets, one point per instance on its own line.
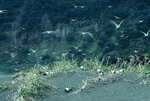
[129, 87]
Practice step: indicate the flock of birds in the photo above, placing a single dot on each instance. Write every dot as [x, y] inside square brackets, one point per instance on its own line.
[117, 25]
[83, 33]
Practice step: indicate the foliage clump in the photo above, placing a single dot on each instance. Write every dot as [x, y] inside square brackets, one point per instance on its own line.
[64, 65]
[4, 87]
[32, 85]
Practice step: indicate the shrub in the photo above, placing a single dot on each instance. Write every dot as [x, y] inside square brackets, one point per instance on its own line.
[31, 85]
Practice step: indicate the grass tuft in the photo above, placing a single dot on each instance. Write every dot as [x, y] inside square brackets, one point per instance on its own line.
[30, 86]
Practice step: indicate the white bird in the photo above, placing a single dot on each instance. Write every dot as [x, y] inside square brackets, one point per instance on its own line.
[67, 89]
[3, 11]
[82, 6]
[140, 21]
[82, 67]
[116, 25]
[49, 32]
[13, 55]
[109, 6]
[75, 6]
[145, 34]
[135, 51]
[72, 20]
[33, 51]
[87, 33]
[116, 17]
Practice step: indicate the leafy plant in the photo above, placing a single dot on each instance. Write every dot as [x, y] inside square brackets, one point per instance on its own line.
[63, 65]
[32, 85]
[4, 87]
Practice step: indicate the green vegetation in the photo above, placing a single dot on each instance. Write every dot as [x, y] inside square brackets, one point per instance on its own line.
[64, 66]
[4, 87]
[31, 85]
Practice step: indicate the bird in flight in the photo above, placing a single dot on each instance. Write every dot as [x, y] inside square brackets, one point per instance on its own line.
[3, 11]
[87, 33]
[145, 34]
[117, 17]
[49, 32]
[75, 6]
[116, 25]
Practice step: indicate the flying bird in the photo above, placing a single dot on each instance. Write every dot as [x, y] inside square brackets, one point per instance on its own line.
[3, 11]
[109, 6]
[145, 34]
[33, 51]
[87, 33]
[49, 32]
[82, 6]
[116, 25]
[75, 6]
[13, 55]
[140, 21]
[116, 17]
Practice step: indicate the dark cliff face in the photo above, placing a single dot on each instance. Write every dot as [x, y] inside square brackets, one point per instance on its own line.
[23, 22]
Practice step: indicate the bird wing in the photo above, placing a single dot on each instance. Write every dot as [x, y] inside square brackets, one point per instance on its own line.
[121, 22]
[148, 31]
[113, 22]
[90, 34]
[143, 32]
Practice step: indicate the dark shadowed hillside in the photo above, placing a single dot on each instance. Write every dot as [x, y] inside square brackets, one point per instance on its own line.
[41, 31]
